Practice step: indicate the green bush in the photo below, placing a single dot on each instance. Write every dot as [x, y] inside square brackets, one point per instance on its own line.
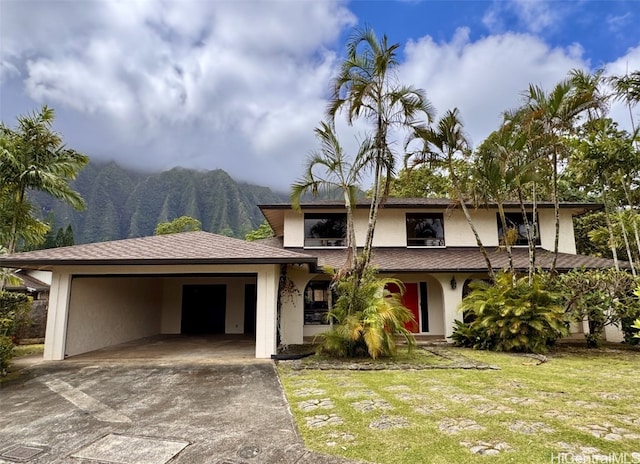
[602, 297]
[367, 318]
[512, 314]
[13, 309]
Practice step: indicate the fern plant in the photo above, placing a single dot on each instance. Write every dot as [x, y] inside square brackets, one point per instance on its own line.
[512, 315]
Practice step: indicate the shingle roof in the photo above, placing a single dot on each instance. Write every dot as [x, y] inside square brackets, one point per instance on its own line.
[458, 259]
[27, 282]
[183, 248]
[423, 203]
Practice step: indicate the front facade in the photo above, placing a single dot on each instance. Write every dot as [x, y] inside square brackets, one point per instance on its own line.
[426, 243]
[104, 294]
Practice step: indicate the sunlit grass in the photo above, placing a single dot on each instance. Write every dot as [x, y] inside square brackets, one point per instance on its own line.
[557, 401]
[27, 350]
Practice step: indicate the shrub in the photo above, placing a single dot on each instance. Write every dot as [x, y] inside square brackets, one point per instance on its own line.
[367, 318]
[512, 315]
[601, 297]
[13, 309]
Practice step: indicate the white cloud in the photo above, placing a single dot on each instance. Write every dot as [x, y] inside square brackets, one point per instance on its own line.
[534, 16]
[199, 83]
[486, 77]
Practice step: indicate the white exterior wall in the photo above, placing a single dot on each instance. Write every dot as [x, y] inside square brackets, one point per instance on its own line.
[172, 301]
[391, 229]
[164, 318]
[292, 308]
[112, 310]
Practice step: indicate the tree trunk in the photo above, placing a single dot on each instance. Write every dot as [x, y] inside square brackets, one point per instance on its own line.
[612, 243]
[556, 208]
[507, 241]
[626, 243]
[531, 238]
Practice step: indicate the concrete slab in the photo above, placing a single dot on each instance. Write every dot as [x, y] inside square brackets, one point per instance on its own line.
[230, 410]
[123, 449]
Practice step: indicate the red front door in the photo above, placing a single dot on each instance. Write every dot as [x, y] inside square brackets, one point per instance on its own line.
[410, 300]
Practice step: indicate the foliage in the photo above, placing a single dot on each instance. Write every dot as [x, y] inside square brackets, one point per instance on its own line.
[601, 297]
[510, 316]
[367, 317]
[367, 87]
[122, 203]
[33, 158]
[14, 308]
[181, 224]
[263, 231]
[421, 182]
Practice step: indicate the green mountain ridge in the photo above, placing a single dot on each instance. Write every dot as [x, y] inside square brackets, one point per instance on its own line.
[122, 203]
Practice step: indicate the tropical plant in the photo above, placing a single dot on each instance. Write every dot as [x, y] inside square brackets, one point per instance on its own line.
[367, 317]
[525, 317]
[552, 116]
[181, 224]
[601, 297]
[13, 309]
[33, 158]
[330, 170]
[263, 231]
[444, 146]
[366, 87]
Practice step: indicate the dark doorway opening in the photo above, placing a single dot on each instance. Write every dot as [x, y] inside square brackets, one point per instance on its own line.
[250, 309]
[204, 309]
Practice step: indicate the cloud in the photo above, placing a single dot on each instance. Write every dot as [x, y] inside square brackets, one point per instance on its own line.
[486, 77]
[201, 84]
[535, 16]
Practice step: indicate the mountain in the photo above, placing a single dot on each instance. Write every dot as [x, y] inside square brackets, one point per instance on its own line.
[121, 203]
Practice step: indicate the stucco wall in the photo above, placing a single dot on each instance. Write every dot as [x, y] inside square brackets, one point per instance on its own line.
[107, 311]
[172, 301]
[391, 229]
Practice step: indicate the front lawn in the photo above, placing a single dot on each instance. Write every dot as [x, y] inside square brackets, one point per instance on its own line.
[584, 403]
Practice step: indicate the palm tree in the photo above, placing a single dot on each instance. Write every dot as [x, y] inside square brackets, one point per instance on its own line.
[33, 157]
[554, 114]
[627, 89]
[444, 146]
[366, 87]
[329, 170]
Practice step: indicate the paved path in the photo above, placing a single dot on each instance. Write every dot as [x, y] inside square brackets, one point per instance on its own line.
[134, 411]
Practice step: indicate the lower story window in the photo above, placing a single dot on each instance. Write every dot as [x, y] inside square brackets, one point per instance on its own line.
[316, 302]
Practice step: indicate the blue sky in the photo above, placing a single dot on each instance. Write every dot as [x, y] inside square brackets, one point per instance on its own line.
[240, 85]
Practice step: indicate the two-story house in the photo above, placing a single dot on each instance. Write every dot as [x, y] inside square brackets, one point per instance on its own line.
[104, 294]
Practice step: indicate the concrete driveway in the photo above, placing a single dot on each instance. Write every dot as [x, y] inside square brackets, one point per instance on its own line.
[115, 407]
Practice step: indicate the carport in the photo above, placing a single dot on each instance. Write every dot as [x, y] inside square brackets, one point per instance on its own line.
[104, 294]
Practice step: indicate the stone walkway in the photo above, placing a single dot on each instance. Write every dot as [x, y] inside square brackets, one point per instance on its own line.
[320, 412]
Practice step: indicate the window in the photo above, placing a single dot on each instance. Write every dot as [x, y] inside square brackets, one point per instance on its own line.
[425, 229]
[515, 222]
[323, 230]
[316, 302]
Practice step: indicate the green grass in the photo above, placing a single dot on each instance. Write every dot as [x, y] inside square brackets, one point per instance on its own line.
[26, 350]
[576, 388]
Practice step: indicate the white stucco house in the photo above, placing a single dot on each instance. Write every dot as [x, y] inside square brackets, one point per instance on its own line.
[108, 293]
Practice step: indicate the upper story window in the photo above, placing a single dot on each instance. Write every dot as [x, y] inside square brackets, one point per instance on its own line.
[325, 229]
[425, 229]
[516, 223]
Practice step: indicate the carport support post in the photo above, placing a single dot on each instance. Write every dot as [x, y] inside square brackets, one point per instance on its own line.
[57, 315]
[266, 311]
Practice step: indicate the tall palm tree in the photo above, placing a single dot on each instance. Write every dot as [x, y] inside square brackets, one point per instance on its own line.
[627, 88]
[555, 114]
[330, 170]
[33, 157]
[366, 87]
[444, 145]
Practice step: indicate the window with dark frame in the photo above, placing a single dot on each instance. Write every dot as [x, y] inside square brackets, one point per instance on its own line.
[325, 230]
[516, 222]
[317, 296]
[425, 229]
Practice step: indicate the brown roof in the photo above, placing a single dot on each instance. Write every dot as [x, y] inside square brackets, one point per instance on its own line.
[458, 259]
[183, 248]
[425, 203]
[27, 282]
